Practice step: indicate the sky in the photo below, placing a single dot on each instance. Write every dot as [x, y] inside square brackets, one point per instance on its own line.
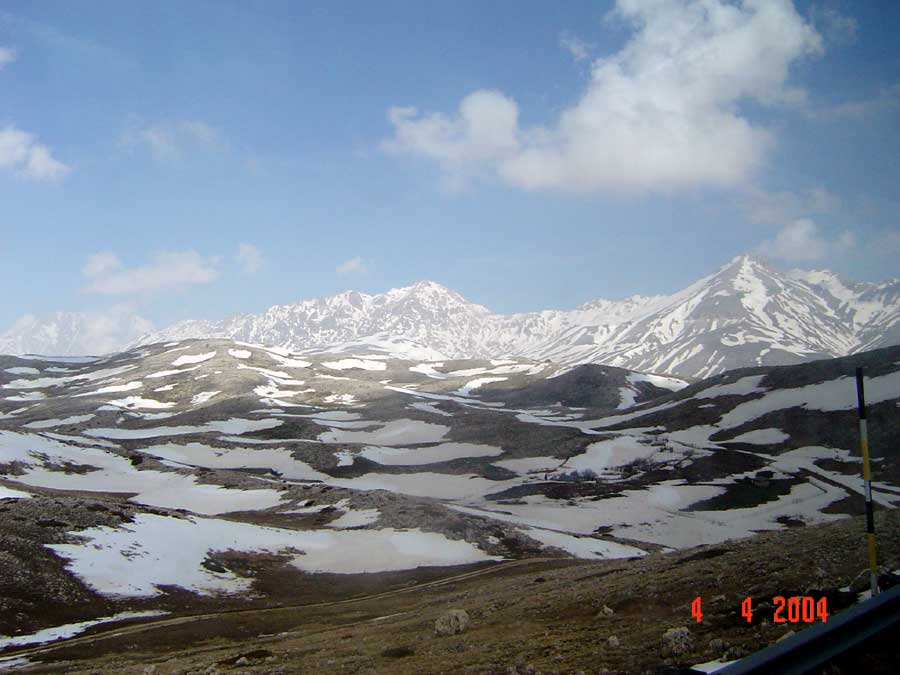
[172, 160]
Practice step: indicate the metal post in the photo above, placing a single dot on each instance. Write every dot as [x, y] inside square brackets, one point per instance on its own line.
[867, 480]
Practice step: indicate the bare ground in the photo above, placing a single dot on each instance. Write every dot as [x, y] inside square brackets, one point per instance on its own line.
[537, 616]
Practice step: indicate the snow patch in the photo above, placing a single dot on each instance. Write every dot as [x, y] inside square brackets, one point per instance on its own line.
[47, 424]
[9, 493]
[204, 396]
[22, 370]
[193, 358]
[68, 630]
[466, 390]
[167, 373]
[761, 437]
[364, 364]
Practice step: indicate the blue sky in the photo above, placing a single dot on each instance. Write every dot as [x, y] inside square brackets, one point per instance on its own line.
[197, 159]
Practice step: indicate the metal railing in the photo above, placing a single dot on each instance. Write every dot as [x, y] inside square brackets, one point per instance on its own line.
[819, 644]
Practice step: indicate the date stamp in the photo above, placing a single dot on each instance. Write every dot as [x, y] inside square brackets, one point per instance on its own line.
[793, 609]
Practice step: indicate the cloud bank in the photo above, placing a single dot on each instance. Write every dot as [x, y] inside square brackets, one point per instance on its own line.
[23, 155]
[662, 114]
[803, 241]
[250, 258]
[351, 266]
[171, 141]
[106, 274]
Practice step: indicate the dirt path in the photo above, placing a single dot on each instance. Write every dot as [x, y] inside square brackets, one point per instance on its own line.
[134, 629]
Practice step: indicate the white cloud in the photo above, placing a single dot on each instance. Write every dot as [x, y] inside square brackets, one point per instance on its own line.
[170, 142]
[484, 129]
[836, 27]
[351, 266]
[22, 154]
[662, 114]
[7, 56]
[887, 99]
[578, 48]
[167, 271]
[199, 131]
[802, 240]
[774, 208]
[101, 263]
[250, 258]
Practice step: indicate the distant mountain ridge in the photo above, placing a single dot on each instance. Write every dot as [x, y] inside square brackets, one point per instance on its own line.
[745, 314]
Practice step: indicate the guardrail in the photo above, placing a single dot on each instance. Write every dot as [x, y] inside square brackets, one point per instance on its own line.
[819, 644]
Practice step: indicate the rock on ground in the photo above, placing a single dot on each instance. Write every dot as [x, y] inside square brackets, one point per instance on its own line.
[451, 622]
[677, 641]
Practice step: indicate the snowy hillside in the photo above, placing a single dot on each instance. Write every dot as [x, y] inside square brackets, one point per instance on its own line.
[184, 471]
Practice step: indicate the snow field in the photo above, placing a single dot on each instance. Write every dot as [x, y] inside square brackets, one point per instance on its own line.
[428, 455]
[47, 424]
[364, 364]
[207, 457]
[838, 394]
[742, 387]
[116, 474]
[395, 432]
[136, 558]
[429, 370]
[429, 408]
[42, 382]
[582, 547]
[115, 388]
[139, 402]
[230, 426]
[466, 389]
[671, 383]
[22, 370]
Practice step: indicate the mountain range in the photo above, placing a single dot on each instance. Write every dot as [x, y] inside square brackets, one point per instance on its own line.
[745, 314]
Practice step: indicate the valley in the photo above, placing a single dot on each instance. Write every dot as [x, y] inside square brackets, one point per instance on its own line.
[205, 475]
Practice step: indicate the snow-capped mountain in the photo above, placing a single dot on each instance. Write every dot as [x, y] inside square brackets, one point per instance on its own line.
[745, 314]
[74, 333]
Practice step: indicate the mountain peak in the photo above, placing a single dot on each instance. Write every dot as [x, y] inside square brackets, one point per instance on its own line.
[745, 261]
[432, 293]
[428, 286]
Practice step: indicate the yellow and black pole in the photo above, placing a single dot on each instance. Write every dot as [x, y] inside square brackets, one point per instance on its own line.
[867, 480]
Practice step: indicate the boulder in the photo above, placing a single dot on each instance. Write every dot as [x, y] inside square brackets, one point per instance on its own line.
[677, 641]
[451, 622]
